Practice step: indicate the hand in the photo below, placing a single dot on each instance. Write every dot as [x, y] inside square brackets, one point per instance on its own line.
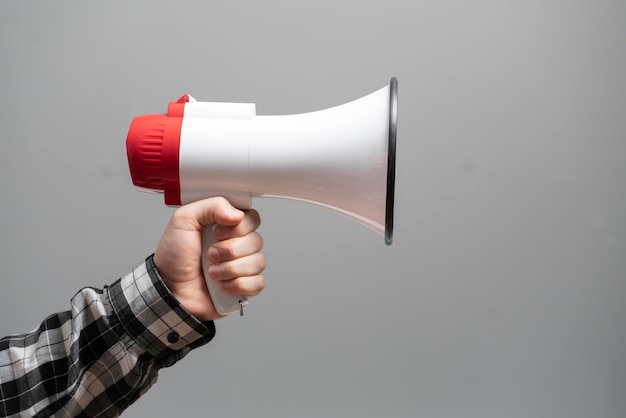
[236, 259]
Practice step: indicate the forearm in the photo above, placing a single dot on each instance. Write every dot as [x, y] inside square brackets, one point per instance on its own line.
[103, 354]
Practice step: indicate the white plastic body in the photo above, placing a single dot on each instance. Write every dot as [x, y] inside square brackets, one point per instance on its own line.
[214, 142]
[335, 158]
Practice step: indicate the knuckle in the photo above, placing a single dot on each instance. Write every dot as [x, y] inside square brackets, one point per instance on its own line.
[262, 262]
[256, 218]
[259, 240]
[261, 284]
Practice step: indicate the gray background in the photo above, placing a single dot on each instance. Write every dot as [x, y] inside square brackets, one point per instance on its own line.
[504, 292]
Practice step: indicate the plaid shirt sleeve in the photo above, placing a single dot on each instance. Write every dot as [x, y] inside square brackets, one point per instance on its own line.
[103, 354]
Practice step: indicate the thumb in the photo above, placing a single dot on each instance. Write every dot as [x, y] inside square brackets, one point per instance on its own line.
[214, 210]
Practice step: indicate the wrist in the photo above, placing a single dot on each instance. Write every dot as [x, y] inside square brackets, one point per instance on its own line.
[152, 315]
[192, 295]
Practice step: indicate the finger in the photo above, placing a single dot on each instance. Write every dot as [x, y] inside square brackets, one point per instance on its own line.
[214, 210]
[250, 265]
[233, 248]
[247, 286]
[250, 222]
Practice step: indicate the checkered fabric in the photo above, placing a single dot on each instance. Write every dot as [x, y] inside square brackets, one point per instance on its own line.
[102, 355]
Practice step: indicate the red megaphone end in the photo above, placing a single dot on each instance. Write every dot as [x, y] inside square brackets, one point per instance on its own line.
[152, 146]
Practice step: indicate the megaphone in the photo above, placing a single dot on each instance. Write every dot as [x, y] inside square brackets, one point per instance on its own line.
[341, 158]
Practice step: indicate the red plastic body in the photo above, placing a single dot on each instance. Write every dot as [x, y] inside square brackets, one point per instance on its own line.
[152, 148]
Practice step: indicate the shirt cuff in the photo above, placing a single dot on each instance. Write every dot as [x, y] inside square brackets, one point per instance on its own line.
[154, 318]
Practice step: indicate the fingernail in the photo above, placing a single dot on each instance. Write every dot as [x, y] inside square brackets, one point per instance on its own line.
[233, 211]
[214, 270]
[214, 253]
[220, 233]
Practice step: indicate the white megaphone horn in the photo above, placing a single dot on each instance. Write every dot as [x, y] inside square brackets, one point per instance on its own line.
[341, 158]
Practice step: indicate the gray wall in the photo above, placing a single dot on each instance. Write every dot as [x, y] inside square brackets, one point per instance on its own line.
[504, 292]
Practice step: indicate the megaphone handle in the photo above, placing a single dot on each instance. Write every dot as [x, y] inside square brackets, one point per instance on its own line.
[224, 304]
